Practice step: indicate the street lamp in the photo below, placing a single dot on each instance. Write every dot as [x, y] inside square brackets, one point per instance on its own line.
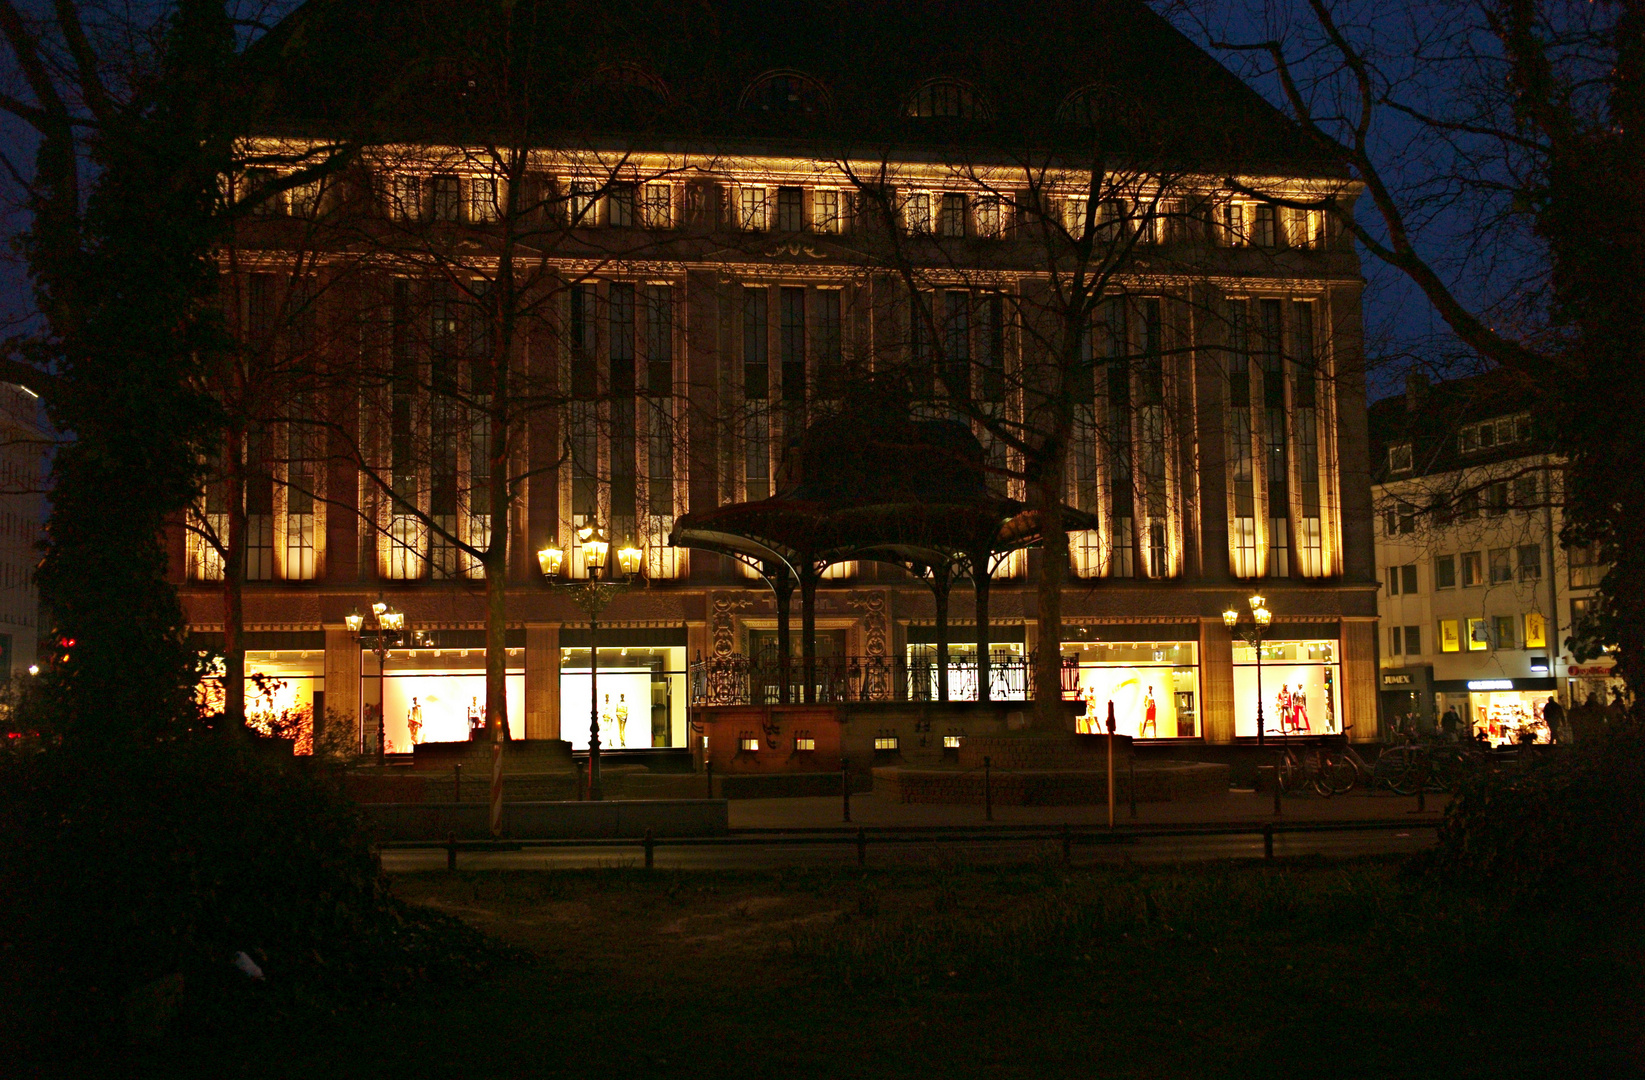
[592, 595]
[1253, 633]
[387, 624]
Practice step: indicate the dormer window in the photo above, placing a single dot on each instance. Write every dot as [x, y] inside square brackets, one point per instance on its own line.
[1399, 458]
[790, 93]
[946, 99]
[1489, 434]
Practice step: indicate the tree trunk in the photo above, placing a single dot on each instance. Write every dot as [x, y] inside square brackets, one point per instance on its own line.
[234, 578]
[1048, 712]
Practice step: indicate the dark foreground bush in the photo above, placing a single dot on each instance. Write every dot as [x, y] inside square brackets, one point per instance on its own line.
[132, 881]
[1566, 829]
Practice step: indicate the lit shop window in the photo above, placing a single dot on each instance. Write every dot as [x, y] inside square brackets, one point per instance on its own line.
[885, 743]
[804, 744]
[950, 742]
[748, 744]
[1301, 688]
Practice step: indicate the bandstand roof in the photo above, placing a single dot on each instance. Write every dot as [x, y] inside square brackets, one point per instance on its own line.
[870, 482]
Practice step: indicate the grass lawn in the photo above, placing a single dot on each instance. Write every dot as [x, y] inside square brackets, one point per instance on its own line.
[1307, 969]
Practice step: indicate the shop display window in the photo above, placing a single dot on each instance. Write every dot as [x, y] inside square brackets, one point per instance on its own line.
[641, 697]
[1536, 630]
[1008, 677]
[1507, 717]
[426, 703]
[1301, 688]
[1154, 687]
[280, 693]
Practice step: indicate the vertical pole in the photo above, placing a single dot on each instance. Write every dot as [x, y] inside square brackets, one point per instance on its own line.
[988, 788]
[1133, 784]
[382, 701]
[1257, 640]
[710, 779]
[1111, 726]
[939, 586]
[783, 587]
[808, 631]
[979, 579]
[845, 786]
[595, 794]
[457, 782]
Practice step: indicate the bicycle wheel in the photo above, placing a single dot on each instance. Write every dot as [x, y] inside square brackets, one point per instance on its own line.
[1411, 779]
[1321, 779]
[1446, 770]
[1285, 775]
[1341, 773]
[1390, 767]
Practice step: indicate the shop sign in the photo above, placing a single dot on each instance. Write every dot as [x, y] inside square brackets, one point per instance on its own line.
[1396, 680]
[1490, 684]
[1590, 671]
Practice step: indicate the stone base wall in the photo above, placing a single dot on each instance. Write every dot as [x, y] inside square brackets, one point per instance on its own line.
[1160, 782]
[1079, 752]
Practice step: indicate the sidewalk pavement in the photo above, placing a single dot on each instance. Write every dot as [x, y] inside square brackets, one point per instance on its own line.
[1237, 806]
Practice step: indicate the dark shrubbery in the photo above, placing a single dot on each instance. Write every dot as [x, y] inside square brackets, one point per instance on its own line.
[124, 873]
[1565, 830]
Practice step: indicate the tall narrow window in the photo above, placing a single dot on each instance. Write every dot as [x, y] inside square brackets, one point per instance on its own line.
[1151, 417]
[956, 322]
[752, 214]
[659, 206]
[1241, 466]
[446, 424]
[482, 371]
[448, 198]
[1265, 232]
[584, 204]
[620, 206]
[756, 396]
[990, 386]
[406, 197]
[1276, 463]
[304, 441]
[830, 345]
[917, 212]
[659, 386]
[921, 370]
[483, 205]
[585, 390]
[791, 344]
[951, 221]
[1122, 480]
[1305, 416]
[790, 209]
[624, 472]
[404, 552]
[259, 480]
[825, 210]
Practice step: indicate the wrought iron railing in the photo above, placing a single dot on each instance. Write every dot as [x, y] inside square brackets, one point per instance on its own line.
[739, 680]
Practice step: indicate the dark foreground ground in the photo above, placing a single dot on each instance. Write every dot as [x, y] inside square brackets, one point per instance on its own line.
[1279, 970]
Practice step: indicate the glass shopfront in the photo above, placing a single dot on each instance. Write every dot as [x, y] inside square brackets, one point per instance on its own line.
[1301, 688]
[1008, 674]
[1153, 685]
[435, 696]
[283, 688]
[1503, 711]
[641, 700]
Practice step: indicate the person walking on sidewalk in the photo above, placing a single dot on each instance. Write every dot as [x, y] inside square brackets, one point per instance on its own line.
[1553, 714]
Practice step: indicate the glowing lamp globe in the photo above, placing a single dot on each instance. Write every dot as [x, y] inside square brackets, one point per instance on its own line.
[550, 559]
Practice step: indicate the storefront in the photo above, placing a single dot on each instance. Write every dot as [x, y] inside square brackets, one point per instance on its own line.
[1504, 711]
[1407, 698]
[285, 683]
[641, 689]
[1301, 693]
[1598, 677]
[1153, 686]
[437, 695]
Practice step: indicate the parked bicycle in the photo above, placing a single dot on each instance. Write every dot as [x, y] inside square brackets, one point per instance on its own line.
[1396, 768]
[1298, 770]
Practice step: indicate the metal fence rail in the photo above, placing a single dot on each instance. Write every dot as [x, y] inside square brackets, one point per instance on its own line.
[862, 836]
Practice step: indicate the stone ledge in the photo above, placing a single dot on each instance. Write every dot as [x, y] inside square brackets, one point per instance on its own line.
[1164, 781]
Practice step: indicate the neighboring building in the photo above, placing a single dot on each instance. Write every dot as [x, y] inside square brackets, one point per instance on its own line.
[1478, 597]
[709, 265]
[23, 448]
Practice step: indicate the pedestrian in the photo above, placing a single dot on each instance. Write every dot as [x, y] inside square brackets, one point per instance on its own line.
[1588, 720]
[1450, 723]
[1553, 714]
[1617, 711]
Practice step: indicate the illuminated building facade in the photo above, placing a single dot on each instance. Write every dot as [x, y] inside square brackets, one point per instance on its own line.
[713, 228]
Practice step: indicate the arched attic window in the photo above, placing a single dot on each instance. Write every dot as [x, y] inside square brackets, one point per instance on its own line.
[1085, 107]
[625, 89]
[947, 99]
[791, 93]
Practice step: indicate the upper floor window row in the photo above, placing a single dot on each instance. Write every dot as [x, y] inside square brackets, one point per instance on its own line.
[1489, 434]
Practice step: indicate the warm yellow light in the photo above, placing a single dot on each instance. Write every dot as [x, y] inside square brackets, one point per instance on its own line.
[379, 607]
[354, 621]
[1263, 616]
[392, 620]
[550, 559]
[1231, 617]
[628, 559]
[1258, 601]
[594, 552]
[34, 669]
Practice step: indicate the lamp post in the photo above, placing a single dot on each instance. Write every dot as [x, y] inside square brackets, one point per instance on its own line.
[387, 623]
[1253, 633]
[592, 595]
